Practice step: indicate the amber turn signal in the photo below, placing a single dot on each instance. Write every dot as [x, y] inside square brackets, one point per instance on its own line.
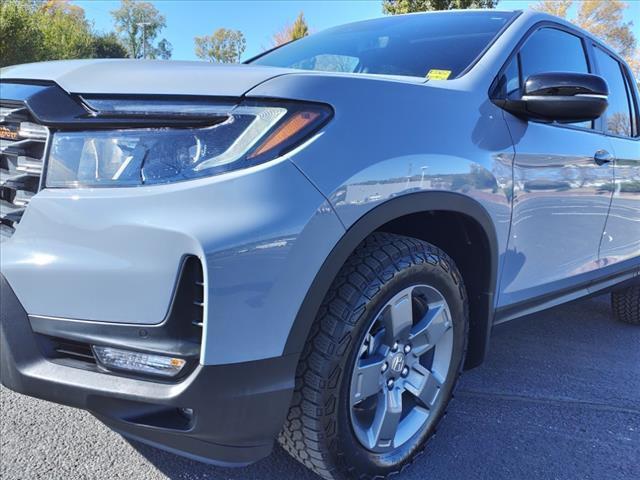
[291, 127]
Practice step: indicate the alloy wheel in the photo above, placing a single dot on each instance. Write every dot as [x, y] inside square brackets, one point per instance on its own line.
[401, 366]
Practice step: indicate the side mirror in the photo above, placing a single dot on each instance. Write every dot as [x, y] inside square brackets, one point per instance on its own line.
[560, 97]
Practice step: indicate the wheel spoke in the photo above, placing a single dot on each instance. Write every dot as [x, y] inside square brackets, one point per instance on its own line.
[376, 342]
[398, 318]
[424, 385]
[430, 329]
[366, 380]
[387, 417]
[391, 367]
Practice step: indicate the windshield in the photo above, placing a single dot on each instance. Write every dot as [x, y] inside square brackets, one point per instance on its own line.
[435, 45]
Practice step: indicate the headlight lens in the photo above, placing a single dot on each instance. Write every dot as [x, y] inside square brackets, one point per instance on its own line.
[246, 136]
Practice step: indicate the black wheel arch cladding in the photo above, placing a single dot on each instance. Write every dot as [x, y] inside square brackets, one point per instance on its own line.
[480, 324]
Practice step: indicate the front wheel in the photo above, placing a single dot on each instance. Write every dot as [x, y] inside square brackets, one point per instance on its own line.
[381, 362]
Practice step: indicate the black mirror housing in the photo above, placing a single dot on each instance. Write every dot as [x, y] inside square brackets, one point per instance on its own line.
[560, 97]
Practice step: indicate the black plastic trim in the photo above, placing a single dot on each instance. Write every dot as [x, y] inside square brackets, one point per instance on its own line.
[596, 282]
[238, 409]
[369, 223]
[53, 107]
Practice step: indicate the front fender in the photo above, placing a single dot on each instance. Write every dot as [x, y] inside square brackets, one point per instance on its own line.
[373, 220]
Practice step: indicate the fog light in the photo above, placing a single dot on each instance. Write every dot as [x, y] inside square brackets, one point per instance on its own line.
[117, 359]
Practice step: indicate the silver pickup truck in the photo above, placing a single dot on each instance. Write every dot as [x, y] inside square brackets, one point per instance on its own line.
[312, 246]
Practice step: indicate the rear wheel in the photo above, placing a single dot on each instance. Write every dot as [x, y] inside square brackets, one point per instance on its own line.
[626, 305]
[381, 361]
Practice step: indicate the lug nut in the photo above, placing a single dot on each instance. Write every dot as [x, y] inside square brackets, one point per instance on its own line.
[390, 383]
[395, 347]
[385, 366]
[405, 371]
[407, 348]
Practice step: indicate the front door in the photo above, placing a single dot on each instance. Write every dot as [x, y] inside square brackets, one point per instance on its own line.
[563, 181]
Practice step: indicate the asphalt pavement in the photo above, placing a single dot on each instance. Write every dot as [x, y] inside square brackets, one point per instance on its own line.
[558, 398]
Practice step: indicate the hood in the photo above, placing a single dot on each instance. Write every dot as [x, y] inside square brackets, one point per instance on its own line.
[150, 77]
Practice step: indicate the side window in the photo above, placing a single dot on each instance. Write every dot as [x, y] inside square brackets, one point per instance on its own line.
[546, 50]
[510, 81]
[618, 113]
[633, 104]
[553, 50]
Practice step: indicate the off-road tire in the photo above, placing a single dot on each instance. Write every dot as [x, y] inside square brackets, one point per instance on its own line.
[626, 305]
[317, 431]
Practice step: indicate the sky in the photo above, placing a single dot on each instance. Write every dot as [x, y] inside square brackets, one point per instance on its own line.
[260, 19]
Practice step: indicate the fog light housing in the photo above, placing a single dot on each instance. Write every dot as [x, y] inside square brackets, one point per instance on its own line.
[137, 362]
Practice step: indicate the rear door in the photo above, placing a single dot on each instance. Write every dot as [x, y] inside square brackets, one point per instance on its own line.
[621, 239]
[561, 194]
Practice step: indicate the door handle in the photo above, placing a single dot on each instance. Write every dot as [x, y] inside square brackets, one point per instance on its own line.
[602, 157]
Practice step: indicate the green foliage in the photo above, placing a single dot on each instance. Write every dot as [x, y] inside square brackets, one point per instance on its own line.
[632, 186]
[298, 29]
[65, 35]
[395, 7]
[20, 33]
[163, 50]
[139, 24]
[223, 46]
[34, 31]
[108, 46]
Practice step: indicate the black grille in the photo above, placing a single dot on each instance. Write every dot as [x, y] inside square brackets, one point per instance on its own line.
[73, 350]
[22, 148]
[198, 293]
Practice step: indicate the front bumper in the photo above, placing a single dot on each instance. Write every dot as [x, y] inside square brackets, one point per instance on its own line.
[112, 255]
[237, 409]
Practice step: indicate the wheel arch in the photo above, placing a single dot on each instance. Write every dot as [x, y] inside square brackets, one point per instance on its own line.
[384, 217]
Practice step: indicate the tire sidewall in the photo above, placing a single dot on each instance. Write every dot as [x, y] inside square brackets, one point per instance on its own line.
[447, 281]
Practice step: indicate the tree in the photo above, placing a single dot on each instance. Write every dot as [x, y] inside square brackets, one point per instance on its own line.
[22, 39]
[298, 29]
[163, 50]
[67, 33]
[603, 18]
[108, 46]
[62, 6]
[395, 7]
[34, 31]
[138, 24]
[223, 46]
[559, 8]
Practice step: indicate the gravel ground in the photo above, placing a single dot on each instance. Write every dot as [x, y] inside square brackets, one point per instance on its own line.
[558, 398]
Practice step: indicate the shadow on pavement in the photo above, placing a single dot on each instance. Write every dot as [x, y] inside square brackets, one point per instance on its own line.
[278, 466]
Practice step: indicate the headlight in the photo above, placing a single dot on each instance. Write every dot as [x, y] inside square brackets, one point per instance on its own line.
[237, 137]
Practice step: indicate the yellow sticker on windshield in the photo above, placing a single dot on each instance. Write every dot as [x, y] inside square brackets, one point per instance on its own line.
[438, 74]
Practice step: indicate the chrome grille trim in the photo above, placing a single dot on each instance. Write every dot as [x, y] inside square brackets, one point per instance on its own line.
[23, 144]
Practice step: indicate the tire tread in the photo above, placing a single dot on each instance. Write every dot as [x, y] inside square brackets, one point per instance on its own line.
[310, 430]
[626, 305]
